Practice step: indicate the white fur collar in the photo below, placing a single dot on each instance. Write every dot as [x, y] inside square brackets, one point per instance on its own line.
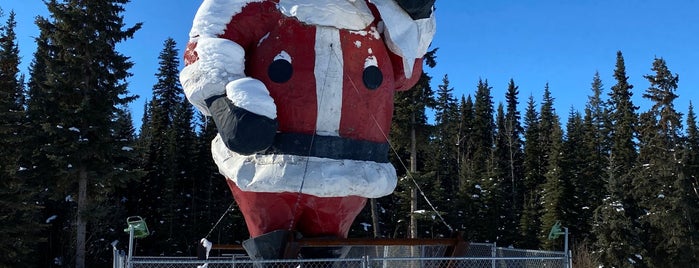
[342, 14]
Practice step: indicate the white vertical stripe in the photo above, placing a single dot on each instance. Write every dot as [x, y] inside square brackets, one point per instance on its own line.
[328, 73]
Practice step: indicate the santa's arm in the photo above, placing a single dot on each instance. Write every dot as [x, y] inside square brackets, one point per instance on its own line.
[409, 26]
[214, 78]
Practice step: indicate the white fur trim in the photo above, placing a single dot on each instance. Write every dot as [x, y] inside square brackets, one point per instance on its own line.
[320, 176]
[252, 95]
[220, 61]
[341, 14]
[329, 73]
[404, 36]
[213, 16]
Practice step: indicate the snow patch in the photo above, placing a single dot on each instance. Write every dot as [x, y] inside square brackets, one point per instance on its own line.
[74, 129]
[366, 226]
[283, 56]
[50, 219]
[22, 169]
[262, 39]
[207, 245]
[371, 61]
[127, 148]
[69, 198]
[351, 15]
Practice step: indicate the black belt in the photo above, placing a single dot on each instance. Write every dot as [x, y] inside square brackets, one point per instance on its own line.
[328, 147]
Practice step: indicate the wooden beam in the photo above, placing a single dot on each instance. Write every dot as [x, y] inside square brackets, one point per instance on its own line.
[457, 243]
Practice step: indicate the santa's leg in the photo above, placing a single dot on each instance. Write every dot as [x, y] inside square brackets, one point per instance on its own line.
[328, 217]
[266, 214]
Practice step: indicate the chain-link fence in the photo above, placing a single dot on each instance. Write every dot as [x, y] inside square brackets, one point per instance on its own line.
[478, 255]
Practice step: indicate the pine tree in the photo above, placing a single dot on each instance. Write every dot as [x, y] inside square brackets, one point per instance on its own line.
[78, 85]
[20, 236]
[661, 188]
[615, 227]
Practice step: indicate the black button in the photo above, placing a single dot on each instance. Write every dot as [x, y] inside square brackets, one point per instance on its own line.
[280, 71]
[372, 77]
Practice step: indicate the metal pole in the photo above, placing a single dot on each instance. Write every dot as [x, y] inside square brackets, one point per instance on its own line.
[567, 255]
[493, 253]
[131, 231]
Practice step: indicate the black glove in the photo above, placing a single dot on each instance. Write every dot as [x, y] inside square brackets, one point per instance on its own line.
[417, 9]
[242, 131]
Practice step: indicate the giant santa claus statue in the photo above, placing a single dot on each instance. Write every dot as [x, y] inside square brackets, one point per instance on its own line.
[301, 92]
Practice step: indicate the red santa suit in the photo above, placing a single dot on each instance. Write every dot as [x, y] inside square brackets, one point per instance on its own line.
[326, 71]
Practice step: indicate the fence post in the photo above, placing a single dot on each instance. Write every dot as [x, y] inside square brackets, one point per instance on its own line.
[493, 254]
[365, 262]
[567, 254]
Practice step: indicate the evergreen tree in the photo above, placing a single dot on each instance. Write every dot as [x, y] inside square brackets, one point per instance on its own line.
[511, 134]
[661, 188]
[409, 124]
[501, 202]
[21, 233]
[211, 195]
[479, 189]
[576, 206]
[616, 230]
[529, 225]
[590, 186]
[169, 143]
[555, 189]
[691, 171]
[78, 84]
[444, 162]
[465, 150]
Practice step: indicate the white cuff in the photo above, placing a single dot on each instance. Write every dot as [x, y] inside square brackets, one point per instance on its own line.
[252, 95]
[219, 61]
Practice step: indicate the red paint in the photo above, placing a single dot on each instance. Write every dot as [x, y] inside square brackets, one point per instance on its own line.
[314, 216]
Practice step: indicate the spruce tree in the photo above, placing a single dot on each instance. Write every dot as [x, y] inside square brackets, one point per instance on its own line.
[616, 229]
[212, 198]
[479, 189]
[78, 85]
[20, 236]
[512, 134]
[691, 171]
[168, 140]
[577, 214]
[591, 187]
[554, 190]
[465, 150]
[661, 188]
[445, 162]
[529, 224]
[502, 207]
[409, 127]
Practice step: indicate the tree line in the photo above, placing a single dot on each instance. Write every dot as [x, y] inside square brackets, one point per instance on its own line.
[74, 167]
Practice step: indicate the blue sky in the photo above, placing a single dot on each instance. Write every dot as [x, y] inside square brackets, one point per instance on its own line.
[562, 43]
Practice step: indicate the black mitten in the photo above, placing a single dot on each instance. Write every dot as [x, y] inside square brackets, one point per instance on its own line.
[242, 131]
[417, 9]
